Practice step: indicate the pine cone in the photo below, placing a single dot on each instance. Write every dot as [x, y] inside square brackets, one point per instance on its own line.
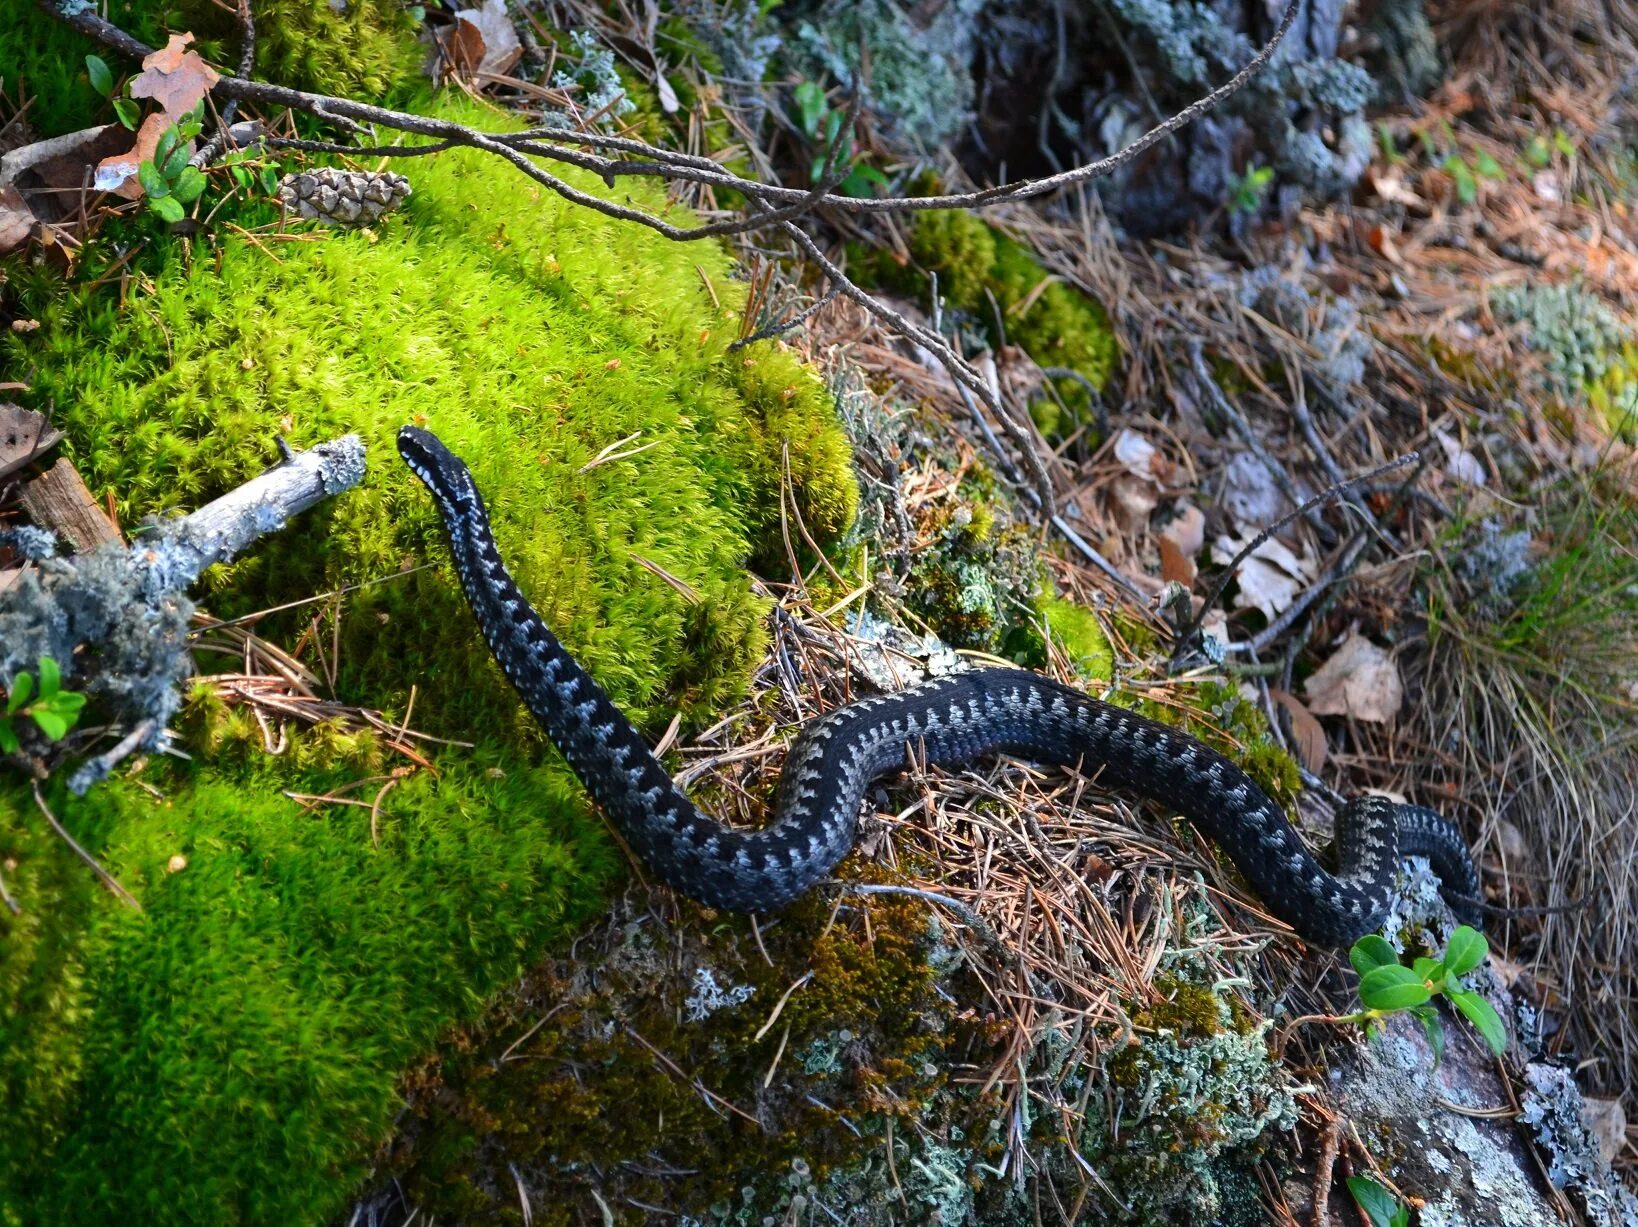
[342, 197]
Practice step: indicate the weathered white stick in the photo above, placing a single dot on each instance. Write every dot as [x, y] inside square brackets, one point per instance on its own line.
[178, 551]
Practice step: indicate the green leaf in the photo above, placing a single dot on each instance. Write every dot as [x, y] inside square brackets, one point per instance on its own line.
[1374, 1201]
[51, 678]
[22, 687]
[166, 145]
[810, 106]
[169, 208]
[1467, 949]
[1428, 1016]
[1467, 187]
[1563, 143]
[861, 180]
[270, 180]
[102, 80]
[1486, 166]
[8, 738]
[1428, 969]
[127, 112]
[173, 166]
[1483, 1016]
[152, 181]
[51, 724]
[189, 184]
[68, 705]
[1372, 951]
[833, 127]
[1392, 988]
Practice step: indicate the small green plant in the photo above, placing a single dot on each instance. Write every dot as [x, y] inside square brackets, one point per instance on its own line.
[1247, 191]
[54, 709]
[250, 173]
[102, 80]
[822, 124]
[170, 183]
[1378, 1205]
[1387, 986]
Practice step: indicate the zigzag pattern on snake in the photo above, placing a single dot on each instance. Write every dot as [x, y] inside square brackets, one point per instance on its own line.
[954, 718]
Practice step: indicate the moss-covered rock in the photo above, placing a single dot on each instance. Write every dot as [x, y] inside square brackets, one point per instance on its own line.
[230, 1053]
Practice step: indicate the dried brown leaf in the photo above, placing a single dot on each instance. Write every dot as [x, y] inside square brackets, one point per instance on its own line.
[118, 173]
[1308, 733]
[1180, 542]
[16, 219]
[482, 40]
[175, 77]
[1359, 680]
[24, 434]
[1270, 577]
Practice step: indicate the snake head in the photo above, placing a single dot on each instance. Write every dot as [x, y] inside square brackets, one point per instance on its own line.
[441, 469]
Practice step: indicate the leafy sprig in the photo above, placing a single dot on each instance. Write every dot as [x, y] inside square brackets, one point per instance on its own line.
[52, 708]
[1380, 1207]
[170, 183]
[1387, 986]
[822, 124]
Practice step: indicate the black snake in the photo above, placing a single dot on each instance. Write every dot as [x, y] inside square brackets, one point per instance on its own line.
[955, 718]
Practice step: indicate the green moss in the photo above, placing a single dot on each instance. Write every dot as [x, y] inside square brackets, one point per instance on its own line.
[1075, 630]
[230, 1054]
[860, 1041]
[531, 337]
[1236, 729]
[360, 49]
[1056, 324]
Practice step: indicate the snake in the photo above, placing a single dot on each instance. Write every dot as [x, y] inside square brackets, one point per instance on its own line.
[949, 720]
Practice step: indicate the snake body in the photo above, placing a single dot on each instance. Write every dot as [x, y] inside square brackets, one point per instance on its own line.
[955, 718]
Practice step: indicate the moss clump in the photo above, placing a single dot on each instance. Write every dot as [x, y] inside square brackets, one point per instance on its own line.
[230, 1054]
[1075, 631]
[359, 49]
[1056, 324]
[861, 1041]
[1193, 1093]
[1236, 729]
[1591, 352]
[530, 338]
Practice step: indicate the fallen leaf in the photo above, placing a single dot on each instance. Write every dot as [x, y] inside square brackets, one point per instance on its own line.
[1381, 238]
[1359, 680]
[482, 40]
[1460, 464]
[117, 174]
[1132, 499]
[16, 219]
[24, 435]
[1249, 494]
[1175, 565]
[1180, 543]
[1608, 1122]
[1308, 733]
[1136, 454]
[1391, 187]
[175, 77]
[1270, 577]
